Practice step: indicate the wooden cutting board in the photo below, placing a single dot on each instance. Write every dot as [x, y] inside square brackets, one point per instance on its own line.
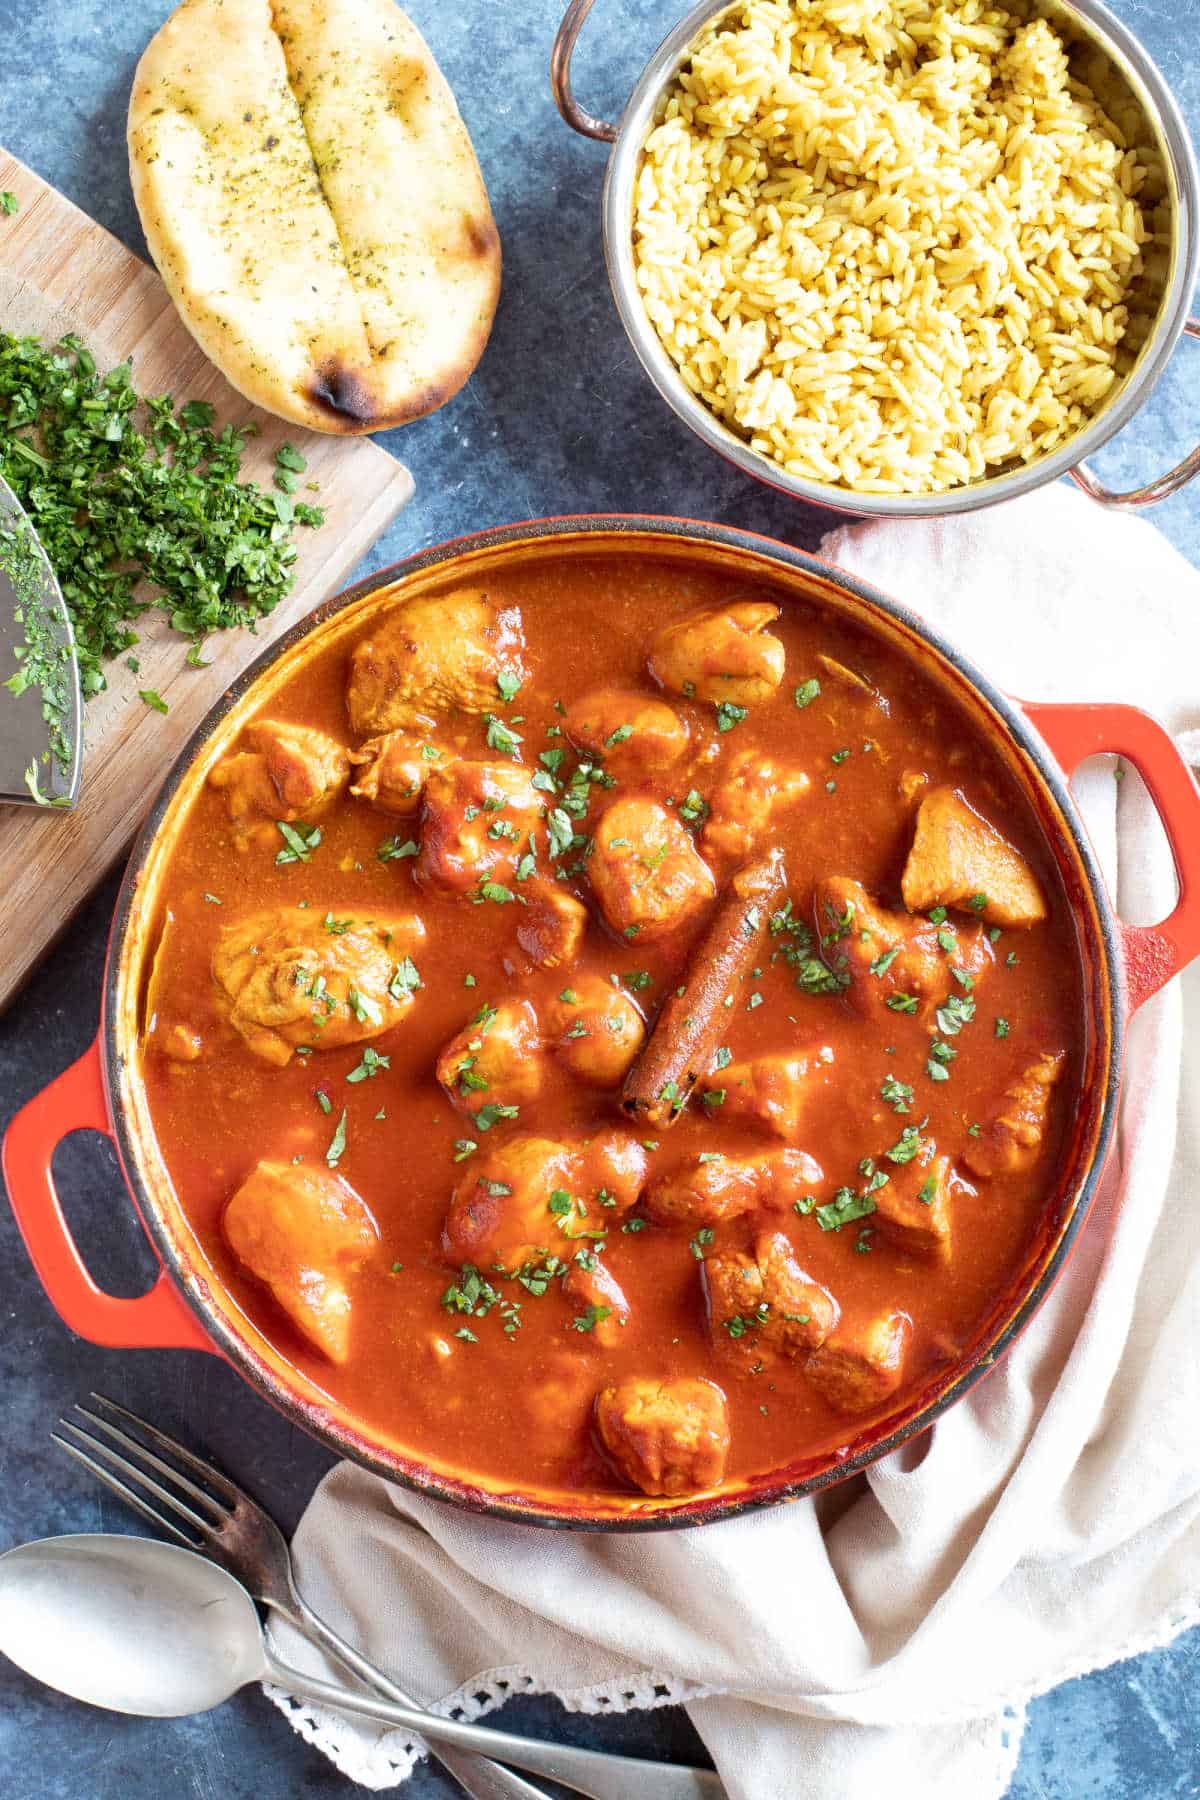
[60, 271]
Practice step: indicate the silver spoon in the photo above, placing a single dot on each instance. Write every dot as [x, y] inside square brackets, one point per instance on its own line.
[142, 1627]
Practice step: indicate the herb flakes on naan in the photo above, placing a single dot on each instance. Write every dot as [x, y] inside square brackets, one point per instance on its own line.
[312, 201]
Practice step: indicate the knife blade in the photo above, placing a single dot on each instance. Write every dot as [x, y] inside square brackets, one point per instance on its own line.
[41, 710]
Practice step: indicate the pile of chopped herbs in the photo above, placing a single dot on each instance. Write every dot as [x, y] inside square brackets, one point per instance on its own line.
[125, 490]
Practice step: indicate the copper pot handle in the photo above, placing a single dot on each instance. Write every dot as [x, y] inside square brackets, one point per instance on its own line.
[1162, 488]
[560, 76]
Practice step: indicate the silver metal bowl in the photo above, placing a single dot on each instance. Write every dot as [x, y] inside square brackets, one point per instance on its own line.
[1106, 55]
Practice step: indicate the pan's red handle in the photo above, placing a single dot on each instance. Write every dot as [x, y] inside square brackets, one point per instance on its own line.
[158, 1320]
[1153, 953]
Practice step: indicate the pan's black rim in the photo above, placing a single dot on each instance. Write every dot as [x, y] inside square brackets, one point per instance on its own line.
[1027, 739]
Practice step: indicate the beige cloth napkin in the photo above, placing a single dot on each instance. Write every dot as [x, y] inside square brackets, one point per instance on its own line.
[887, 1639]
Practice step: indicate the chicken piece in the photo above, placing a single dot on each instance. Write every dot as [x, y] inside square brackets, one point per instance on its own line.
[500, 1212]
[913, 1210]
[753, 791]
[632, 733]
[395, 768]
[595, 1029]
[290, 773]
[767, 1089]
[599, 1304]
[496, 1060]
[958, 859]
[892, 956]
[708, 1189]
[645, 871]
[611, 1170]
[433, 654]
[765, 1306]
[788, 1176]
[284, 978]
[302, 1232]
[723, 653]
[533, 1196]
[550, 926]
[1011, 1139]
[476, 822]
[666, 1437]
[861, 1363]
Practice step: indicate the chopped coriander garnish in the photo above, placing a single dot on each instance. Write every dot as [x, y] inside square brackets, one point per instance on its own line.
[590, 1317]
[845, 1207]
[8, 202]
[494, 891]
[978, 902]
[928, 1190]
[902, 1003]
[337, 1143]
[700, 1242]
[501, 737]
[299, 842]
[883, 963]
[722, 1057]
[492, 1113]
[807, 692]
[637, 979]
[619, 736]
[323, 1100]
[1001, 1028]
[508, 685]
[898, 1094]
[370, 1065]
[405, 980]
[839, 756]
[134, 496]
[693, 808]
[560, 830]
[729, 715]
[392, 849]
[464, 1147]
[907, 1147]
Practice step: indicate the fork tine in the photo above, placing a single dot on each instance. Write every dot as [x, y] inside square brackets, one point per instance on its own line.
[107, 1479]
[221, 1483]
[140, 1451]
[169, 1500]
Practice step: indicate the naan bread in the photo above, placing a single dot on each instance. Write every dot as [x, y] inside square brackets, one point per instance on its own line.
[312, 201]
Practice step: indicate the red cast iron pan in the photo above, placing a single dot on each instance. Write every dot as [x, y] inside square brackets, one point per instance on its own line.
[1120, 966]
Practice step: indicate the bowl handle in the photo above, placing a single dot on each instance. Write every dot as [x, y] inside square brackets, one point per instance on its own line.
[1167, 484]
[157, 1320]
[560, 75]
[1152, 954]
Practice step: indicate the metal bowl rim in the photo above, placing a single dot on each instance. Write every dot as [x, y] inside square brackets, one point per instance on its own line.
[1117, 40]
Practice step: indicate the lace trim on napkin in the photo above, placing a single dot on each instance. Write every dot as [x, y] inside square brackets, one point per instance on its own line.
[387, 1760]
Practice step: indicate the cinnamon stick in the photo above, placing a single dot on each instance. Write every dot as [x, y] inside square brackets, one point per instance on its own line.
[680, 1048]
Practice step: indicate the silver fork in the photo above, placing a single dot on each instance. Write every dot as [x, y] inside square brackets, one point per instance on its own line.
[234, 1531]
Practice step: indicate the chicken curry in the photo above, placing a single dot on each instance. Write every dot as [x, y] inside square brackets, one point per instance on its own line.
[612, 1032]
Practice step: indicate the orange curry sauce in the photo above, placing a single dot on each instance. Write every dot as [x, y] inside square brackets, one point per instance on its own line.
[516, 1407]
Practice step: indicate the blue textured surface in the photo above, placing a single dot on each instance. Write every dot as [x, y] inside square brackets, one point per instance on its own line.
[556, 419]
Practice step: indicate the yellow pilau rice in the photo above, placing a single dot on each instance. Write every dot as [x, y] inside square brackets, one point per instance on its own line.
[888, 242]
